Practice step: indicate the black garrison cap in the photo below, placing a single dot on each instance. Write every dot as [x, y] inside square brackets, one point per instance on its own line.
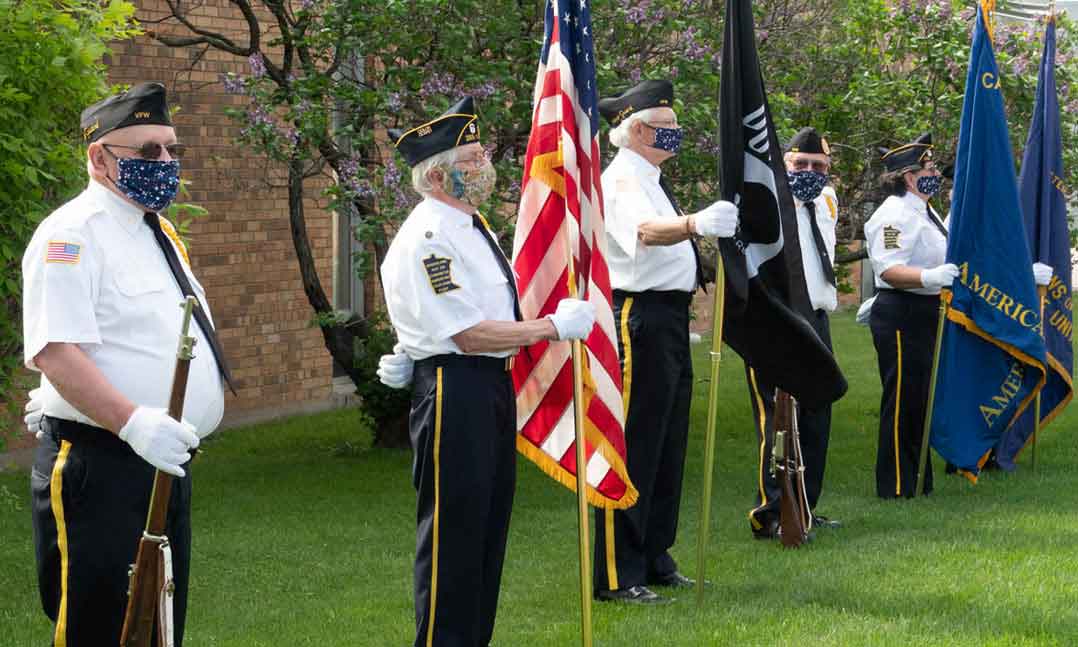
[948, 171]
[457, 127]
[143, 104]
[643, 95]
[808, 141]
[914, 154]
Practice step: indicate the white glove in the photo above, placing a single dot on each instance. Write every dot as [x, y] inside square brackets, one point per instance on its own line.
[864, 313]
[160, 440]
[395, 371]
[573, 319]
[35, 411]
[720, 220]
[939, 277]
[1042, 273]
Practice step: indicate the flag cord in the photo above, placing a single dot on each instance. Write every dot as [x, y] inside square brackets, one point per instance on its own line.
[581, 465]
[922, 464]
[712, 421]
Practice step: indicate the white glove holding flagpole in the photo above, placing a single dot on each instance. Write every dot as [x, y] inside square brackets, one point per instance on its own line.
[35, 412]
[573, 319]
[395, 371]
[720, 220]
[939, 277]
[1042, 273]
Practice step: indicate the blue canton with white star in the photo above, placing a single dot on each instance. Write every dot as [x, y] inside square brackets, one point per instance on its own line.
[577, 46]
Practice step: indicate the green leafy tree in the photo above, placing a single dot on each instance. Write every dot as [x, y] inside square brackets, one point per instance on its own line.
[50, 68]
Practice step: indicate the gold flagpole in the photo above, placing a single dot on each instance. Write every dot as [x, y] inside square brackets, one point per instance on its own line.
[581, 468]
[922, 464]
[1042, 293]
[712, 420]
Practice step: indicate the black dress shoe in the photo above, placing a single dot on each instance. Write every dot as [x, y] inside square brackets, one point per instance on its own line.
[632, 595]
[820, 521]
[674, 580]
[769, 530]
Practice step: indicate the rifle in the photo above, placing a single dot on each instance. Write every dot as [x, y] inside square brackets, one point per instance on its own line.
[150, 586]
[795, 520]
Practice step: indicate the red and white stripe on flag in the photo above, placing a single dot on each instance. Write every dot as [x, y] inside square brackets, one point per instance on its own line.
[561, 210]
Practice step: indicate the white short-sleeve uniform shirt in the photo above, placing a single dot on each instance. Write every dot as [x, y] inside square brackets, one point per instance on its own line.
[822, 294]
[93, 275]
[901, 232]
[631, 196]
[440, 278]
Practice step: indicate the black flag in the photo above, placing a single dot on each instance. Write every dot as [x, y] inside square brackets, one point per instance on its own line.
[767, 301]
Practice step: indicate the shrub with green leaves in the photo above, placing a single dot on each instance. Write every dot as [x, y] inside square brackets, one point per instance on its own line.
[51, 67]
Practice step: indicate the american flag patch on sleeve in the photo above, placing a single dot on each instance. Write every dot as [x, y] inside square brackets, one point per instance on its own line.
[61, 252]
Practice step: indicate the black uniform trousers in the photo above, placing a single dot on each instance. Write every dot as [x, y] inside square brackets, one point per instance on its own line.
[631, 546]
[904, 333]
[814, 426]
[91, 494]
[463, 433]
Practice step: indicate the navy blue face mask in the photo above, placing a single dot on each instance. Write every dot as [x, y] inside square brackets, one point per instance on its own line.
[806, 185]
[930, 184]
[151, 183]
[668, 139]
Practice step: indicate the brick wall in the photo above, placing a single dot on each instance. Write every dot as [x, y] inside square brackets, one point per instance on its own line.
[242, 252]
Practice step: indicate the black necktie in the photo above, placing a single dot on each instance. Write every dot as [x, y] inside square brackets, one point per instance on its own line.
[692, 241]
[503, 262]
[936, 220]
[151, 220]
[821, 248]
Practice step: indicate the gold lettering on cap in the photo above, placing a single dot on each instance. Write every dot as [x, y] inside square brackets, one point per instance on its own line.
[424, 131]
[142, 115]
[90, 130]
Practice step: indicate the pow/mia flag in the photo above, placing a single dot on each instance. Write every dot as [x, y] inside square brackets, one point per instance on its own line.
[767, 301]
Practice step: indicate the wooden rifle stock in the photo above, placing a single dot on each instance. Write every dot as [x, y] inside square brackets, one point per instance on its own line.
[147, 575]
[794, 517]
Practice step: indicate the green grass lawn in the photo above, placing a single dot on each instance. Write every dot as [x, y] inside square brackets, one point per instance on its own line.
[302, 539]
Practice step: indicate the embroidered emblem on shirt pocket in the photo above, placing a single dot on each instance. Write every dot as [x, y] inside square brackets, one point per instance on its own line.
[890, 238]
[439, 274]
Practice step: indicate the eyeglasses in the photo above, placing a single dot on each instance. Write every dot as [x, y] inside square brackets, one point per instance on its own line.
[474, 162]
[814, 165]
[152, 150]
[662, 124]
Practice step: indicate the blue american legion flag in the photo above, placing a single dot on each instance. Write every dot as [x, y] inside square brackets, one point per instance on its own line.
[992, 358]
[1044, 208]
[560, 244]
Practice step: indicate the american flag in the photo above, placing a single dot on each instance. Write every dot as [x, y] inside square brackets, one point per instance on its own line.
[561, 208]
[61, 252]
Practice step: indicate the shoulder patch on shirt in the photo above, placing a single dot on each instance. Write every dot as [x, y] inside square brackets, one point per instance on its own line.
[170, 231]
[890, 237]
[439, 274]
[831, 206]
[63, 252]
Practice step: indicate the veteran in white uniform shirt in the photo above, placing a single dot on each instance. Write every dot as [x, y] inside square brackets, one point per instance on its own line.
[103, 277]
[453, 302]
[808, 166]
[654, 271]
[907, 244]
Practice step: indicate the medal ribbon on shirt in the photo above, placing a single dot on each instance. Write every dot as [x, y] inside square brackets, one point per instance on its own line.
[480, 223]
[692, 241]
[152, 221]
[821, 248]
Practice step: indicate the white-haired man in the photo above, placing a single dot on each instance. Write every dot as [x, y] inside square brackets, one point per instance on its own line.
[452, 299]
[654, 271]
[102, 278]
